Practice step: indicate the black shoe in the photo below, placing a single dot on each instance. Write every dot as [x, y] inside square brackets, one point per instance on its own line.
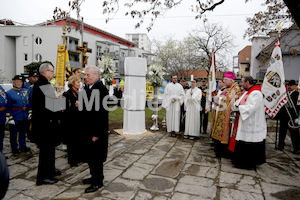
[47, 181]
[57, 173]
[73, 164]
[296, 152]
[15, 151]
[93, 188]
[24, 149]
[192, 137]
[186, 137]
[280, 148]
[87, 181]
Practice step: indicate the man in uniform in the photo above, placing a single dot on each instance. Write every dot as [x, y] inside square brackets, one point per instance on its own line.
[290, 109]
[95, 141]
[3, 107]
[32, 79]
[17, 112]
[173, 99]
[222, 128]
[203, 115]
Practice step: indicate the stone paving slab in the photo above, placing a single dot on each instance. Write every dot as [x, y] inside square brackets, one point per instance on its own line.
[160, 167]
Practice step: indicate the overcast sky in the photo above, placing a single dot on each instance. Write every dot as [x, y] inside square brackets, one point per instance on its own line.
[176, 23]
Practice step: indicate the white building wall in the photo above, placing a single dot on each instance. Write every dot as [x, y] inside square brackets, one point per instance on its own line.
[12, 58]
[258, 43]
[290, 63]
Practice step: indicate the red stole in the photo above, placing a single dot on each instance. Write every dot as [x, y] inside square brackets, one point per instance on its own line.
[232, 141]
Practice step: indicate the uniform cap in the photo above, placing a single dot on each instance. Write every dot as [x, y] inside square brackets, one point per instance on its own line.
[292, 82]
[18, 77]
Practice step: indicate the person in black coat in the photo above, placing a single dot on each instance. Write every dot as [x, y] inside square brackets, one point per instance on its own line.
[72, 120]
[203, 114]
[44, 124]
[284, 118]
[4, 176]
[95, 120]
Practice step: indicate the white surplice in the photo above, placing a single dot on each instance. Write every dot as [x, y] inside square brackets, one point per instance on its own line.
[173, 107]
[252, 122]
[192, 115]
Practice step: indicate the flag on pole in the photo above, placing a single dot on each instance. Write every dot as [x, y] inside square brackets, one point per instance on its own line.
[273, 86]
[60, 66]
[212, 84]
[68, 67]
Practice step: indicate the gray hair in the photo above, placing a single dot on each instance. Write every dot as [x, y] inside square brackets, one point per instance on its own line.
[44, 67]
[95, 70]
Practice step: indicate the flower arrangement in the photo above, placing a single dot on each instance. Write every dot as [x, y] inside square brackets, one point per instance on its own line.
[156, 75]
[107, 69]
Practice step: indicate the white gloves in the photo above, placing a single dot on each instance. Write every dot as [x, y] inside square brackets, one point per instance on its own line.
[11, 122]
[6, 120]
[29, 116]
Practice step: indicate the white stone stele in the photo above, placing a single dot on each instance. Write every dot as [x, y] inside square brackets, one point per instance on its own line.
[134, 96]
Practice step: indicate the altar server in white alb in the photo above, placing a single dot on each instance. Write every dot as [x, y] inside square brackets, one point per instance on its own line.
[173, 99]
[192, 101]
[251, 128]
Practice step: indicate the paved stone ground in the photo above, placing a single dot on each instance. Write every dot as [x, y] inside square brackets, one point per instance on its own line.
[161, 167]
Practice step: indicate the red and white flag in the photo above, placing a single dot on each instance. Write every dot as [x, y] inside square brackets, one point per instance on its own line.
[212, 84]
[273, 86]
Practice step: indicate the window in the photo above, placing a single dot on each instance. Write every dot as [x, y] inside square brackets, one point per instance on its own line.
[247, 69]
[98, 51]
[25, 57]
[38, 57]
[25, 40]
[38, 41]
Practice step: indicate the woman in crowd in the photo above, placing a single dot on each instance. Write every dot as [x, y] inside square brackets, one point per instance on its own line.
[72, 120]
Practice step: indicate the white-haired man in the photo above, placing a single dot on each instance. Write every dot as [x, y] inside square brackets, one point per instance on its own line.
[43, 123]
[95, 132]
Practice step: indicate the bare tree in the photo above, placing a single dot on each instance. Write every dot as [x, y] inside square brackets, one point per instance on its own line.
[140, 9]
[3, 77]
[177, 57]
[203, 39]
[265, 21]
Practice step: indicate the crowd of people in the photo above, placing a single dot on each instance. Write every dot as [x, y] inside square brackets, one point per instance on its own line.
[238, 119]
[24, 108]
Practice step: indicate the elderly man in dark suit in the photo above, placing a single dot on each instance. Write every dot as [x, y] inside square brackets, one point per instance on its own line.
[44, 123]
[95, 133]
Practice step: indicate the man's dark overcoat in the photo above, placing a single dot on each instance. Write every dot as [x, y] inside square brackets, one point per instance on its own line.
[95, 124]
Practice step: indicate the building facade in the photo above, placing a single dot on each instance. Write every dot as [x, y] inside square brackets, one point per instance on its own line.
[262, 48]
[140, 39]
[244, 61]
[22, 45]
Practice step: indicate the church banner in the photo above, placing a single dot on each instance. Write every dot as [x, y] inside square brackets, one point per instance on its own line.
[273, 87]
[212, 84]
[60, 67]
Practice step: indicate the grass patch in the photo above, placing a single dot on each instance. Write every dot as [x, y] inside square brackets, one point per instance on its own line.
[116, 117]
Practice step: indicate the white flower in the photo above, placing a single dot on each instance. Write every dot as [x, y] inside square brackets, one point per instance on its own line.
[156, 73]
[107, 69]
